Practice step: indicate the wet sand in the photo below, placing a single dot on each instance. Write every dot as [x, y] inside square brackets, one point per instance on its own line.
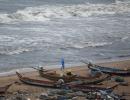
[80, 70]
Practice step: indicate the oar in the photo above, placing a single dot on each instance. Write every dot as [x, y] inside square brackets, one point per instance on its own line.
[84, 62]
[35, 68]
[40, 69]
[87, 63]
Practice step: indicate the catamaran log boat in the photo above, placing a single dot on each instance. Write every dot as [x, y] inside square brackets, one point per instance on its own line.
[88, 88]
[54, 84]
[50, 84]
[92, 81]
[55, 77]
[109, 70]
[67, 78]
[36, 82]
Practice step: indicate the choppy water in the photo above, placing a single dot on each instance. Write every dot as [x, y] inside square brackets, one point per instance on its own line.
[41, 32]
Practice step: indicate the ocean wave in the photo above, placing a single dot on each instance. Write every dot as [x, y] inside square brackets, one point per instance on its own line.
[4, 38]
[98, 44]
[89, 44]
[43, 13]
[122, 1]
[124, 38]
[13, 51]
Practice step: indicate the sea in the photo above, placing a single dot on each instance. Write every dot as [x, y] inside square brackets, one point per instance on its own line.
[42, 32]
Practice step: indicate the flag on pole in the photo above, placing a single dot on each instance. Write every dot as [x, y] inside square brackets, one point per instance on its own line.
[62, 64]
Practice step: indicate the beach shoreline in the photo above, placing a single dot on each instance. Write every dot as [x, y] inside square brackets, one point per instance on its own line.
[80, 70]
[51, 67]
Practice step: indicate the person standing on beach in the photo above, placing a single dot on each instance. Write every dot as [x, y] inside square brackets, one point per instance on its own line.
[63, 64]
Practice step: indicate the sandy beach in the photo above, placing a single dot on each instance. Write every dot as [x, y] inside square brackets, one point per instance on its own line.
[80, 70]
[64, 33]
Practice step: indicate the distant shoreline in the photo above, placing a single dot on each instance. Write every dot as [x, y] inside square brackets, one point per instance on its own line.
[51, 67]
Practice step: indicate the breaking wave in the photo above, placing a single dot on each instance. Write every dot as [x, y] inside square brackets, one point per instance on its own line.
[44, 13]
[122, 1]
[13, 51]
[89, 44]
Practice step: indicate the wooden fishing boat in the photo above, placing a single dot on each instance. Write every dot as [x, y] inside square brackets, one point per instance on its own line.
[52, 84]
[3, 89]
[67, 78]
[109, 70]
[92, 80]
[49, 84]
[88, 88]
[42, 83]
[55, 76]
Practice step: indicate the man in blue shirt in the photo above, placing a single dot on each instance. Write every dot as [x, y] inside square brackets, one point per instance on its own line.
[62, 63]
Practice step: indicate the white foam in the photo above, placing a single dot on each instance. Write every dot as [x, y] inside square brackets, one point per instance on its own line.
[90, 44]
[124, 38]
[98, 44]
[4, 38]
[44, 13]
[122, 1]
[13, 51]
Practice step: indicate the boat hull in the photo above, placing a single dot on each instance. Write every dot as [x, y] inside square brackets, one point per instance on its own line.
[108, 70]
[40, 83]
